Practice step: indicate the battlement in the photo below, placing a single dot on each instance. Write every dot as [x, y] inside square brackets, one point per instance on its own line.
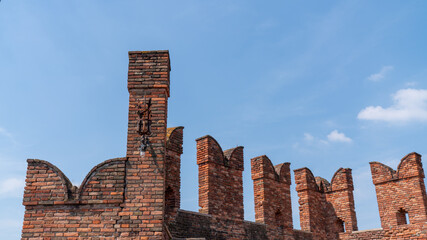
[47, 185]
[401, 194]
[326, 209]
[220, 179]
[138, 196]
[272, 195]
[174, 140]
[409, 166]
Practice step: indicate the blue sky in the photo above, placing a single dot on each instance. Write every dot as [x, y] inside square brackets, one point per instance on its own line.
[321, 84]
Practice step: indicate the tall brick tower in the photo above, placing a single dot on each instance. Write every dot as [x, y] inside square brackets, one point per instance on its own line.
[143, 212]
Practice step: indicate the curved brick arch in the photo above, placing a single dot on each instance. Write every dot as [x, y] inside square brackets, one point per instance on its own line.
[213, 149]
[220, 179]
[104, 183]
[323, 184]
[46, 184]
[262, 167]
[410, 166]
[309, 179]
[381, 172]
[283, 172]
[342, 179]
[173, 133]
[401, 189]
[339, 171]
[234, 157]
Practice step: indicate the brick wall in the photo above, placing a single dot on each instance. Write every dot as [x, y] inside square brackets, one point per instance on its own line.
[143, 209]
[326, 209]
[138, 197]
[173, 171]
[56, 209]
[220, 179]
[401, 191]
[272, 194]
[340, 194]
[120, 198]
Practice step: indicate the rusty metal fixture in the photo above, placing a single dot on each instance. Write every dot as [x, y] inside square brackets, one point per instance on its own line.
[144, 123]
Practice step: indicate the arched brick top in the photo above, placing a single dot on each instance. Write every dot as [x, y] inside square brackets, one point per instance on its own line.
[234, 157]
[283, 171]
[381, 172]
[171, 131]
[323, 184]
[38, 170]
[95, 170]
[308, 182]
[263, 168]
[174, 139]
[339, 171]
[342, 179]
[410, 166]
[54, 168]
[214, 150]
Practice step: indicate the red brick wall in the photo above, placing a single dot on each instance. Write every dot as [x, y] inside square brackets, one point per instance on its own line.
[220, 179]
[311, 201]
[173, 172]
[120, 198]
[143, 209]
[272, 194]
[55, 209]
[416, 231]
[137, 197]
[340, 195]
[400, 190]
[326, 208]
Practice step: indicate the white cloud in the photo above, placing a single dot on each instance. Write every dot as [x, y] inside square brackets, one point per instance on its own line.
[336, 136]
[12, 187]
[409, 105]
[381, 74]
[308, 137]
[333, 136]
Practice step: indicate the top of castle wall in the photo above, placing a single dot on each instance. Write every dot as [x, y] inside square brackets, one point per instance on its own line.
[262, 167]
[409, 166]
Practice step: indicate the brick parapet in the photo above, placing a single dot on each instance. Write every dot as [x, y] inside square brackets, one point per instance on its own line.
[326, 208]
[47, 185]
[138, 197]
[272, 194]
[342, 199]
[220, 179]
[144, 207]
[189, 224]
[56, 209]
[400, 192]
[174, 141]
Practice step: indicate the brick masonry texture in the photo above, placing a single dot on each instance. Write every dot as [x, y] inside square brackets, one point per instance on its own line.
[138, 196]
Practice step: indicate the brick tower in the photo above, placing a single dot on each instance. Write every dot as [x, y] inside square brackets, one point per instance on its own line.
[143, 209]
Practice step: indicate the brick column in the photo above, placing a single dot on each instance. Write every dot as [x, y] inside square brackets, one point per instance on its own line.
[220, 179]
[402, 191]
[143, 210]
[342, 199]
[173, 171]
[312, 202]
[272, 193]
